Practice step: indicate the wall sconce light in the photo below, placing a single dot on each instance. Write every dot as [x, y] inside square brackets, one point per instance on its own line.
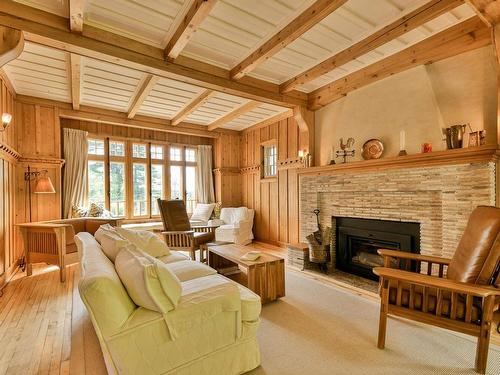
[6, 120]
[301, 154]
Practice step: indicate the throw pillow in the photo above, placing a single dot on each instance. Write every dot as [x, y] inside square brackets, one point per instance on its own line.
[111, 242]
[217, 208]
[95, 210]
[146, 241]
[202, 212]
[149, 282]
[78, 211]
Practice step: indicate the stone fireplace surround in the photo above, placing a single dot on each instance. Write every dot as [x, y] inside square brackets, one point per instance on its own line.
[439, 196]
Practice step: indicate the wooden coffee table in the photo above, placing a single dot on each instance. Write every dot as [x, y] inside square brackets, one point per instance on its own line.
[265, 276]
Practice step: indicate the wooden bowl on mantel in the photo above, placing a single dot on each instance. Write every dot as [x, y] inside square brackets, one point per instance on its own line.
[372, 149]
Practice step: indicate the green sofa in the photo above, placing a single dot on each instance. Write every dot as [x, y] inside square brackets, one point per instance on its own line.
[200, 336]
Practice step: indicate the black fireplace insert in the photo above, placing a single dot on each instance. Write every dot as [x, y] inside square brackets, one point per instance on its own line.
[357, 242]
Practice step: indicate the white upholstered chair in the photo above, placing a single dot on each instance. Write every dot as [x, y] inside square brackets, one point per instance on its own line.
[235, 225]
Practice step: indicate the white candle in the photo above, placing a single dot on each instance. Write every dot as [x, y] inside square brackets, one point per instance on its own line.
[402, 140]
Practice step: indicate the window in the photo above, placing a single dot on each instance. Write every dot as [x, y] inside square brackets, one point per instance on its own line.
[96, 147]
[117, 188]
[156, 187]
[190, 188]
[270, 161]
[156, 152]
[139, 151]
[175, 154]
[116, 148]
[190, 155]
[96, 182]
[175, 182]
[139, 183]
[127, 177]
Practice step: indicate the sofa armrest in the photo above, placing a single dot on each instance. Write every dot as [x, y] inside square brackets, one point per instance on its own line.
[216, 222]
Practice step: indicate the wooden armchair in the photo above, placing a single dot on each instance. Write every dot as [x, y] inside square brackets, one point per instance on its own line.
[178, 234]
[53, 242]
[460, 294]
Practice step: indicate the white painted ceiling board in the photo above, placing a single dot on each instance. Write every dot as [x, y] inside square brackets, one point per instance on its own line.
[59, 7]
[147, 21]
[216, 107]
[42, 72]
[109, 86]
[234, 28]
[168, 97]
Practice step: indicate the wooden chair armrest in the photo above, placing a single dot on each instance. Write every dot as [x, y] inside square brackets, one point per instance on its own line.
[411, 256]
[178, 232]
[433, 282]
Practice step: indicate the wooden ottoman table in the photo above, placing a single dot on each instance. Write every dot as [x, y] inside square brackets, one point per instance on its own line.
[265, 276]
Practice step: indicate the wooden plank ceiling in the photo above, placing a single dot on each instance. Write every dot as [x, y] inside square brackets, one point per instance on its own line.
[305, 45]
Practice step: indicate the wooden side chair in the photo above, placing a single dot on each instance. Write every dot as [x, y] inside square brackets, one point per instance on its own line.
[178, 234]
[460, 294]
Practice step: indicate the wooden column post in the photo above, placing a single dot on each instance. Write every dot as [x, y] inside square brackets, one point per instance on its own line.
[305, 121]
[11, 44]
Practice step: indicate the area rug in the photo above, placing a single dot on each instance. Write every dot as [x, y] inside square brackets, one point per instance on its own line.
[321, 329]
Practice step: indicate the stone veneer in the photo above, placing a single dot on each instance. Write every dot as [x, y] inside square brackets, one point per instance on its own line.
[440, 198]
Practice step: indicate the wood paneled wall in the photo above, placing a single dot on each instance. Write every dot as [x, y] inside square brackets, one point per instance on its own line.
[227, 177]
[9, 253]
[144, 135]
[275, 200]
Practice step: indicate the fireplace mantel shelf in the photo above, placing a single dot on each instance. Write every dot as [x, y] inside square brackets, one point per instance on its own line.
[459, 156]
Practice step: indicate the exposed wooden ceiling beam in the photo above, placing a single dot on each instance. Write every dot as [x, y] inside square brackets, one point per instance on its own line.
[11, 44]
[466, 36]
[76, 8]
[142, 93]
[185, 24]
[487, 10]
[410, 21]
[52, 30]
[247, 107]
[191, 107]
[307, 19]
[76, 79]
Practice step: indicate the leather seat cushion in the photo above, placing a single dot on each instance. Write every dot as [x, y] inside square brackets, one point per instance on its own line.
[201, 238]
[432, 302]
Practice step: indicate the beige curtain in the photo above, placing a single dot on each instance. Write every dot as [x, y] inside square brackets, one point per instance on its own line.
[75, 169]
[205, 180]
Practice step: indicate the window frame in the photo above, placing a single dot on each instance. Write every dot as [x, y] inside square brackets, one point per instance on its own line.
[263, 147]
[129, 161]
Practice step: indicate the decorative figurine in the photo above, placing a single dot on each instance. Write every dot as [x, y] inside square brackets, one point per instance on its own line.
[345, 149]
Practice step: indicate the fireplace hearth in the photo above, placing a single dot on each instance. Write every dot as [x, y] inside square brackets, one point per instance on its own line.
[357, 241]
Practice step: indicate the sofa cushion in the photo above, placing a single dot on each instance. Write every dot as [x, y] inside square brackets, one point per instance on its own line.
[174, 256]
[145, 241]
[148, 281]
[106, 230]
[202, 212]
[189, 269]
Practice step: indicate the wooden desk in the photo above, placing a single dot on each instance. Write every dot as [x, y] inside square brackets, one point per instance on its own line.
[265, 276]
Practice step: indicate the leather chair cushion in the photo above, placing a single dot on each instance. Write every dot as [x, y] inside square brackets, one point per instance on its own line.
[490, 265]
[201, 238]
[174, 215]
[472, 251]
[432, 302]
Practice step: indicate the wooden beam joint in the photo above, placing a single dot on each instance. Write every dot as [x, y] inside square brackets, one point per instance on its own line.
[11, 44]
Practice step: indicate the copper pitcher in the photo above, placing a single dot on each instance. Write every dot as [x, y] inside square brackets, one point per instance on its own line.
[455, 136]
